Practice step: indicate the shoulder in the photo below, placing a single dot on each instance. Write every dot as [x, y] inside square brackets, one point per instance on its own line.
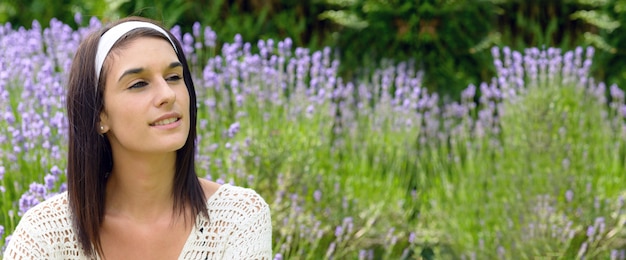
[41, 230]
[241, 221]
[238, 202]
[52, 209]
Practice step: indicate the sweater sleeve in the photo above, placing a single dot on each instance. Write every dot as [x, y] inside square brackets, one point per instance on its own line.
[252, 239]
[26, 242]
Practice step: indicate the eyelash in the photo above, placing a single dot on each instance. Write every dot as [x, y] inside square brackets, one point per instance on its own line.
[141, 84]
[174, 78]
[138, 85]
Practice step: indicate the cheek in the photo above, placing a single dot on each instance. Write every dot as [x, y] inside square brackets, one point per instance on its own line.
[123, 114]
[183, 98]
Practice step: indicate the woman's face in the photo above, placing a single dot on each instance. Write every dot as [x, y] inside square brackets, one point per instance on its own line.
[146, 102]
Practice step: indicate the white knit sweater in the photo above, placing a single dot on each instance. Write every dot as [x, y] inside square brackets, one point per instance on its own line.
[45, 231]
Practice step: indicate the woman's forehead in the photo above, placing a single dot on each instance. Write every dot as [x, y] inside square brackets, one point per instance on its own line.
[143, 50]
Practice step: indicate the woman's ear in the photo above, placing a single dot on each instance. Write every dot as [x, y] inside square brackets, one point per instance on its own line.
[103, 126]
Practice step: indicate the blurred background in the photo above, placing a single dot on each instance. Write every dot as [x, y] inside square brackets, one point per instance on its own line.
[449, 39]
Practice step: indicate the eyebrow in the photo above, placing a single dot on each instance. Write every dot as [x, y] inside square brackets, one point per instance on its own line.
[139, 70]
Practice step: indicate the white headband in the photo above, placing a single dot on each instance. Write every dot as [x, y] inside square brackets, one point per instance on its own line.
[108, 39]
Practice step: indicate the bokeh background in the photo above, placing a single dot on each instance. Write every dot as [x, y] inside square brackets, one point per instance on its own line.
[435, 129]
[449, 39]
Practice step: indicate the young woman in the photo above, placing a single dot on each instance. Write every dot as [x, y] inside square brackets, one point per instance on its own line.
[133, 192]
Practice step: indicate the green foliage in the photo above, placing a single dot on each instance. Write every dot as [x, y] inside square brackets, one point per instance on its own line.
[609, 38]
[23, 13]
[441, 36]
[446, 38]
[168, 12]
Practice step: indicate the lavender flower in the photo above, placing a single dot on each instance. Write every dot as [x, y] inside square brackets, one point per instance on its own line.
[331, 250]
[617, 94]
[7, 239]
[210, 37]
[233, 129]
[55, 171]
[339, 232]
[569, 195]
[501, 252]
[78, 18]
[26, 202]
[412, 238]
[50, 181]
[362, 254]
[591, 231]
[622, 111]
[317, 195]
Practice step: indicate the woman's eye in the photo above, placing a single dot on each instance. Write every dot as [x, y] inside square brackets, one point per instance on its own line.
[138, 85]
[173, 78]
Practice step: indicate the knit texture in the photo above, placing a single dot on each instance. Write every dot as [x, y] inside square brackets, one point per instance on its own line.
[240, 227]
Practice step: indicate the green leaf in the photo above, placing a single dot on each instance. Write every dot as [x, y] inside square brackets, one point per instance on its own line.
[492, 39]
[593, 17]
[598, 42]
[573, 250]
[620, 6]
[342, 3]
[376, 6]
[344, 18]
[594, 3]
[115, 4]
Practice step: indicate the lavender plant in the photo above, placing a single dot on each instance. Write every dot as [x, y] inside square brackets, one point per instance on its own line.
[525, 166]
[541, 164]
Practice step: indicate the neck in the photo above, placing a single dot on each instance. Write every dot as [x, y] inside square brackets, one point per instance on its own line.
[140, 187]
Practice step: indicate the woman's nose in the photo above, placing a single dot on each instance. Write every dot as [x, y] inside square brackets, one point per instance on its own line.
[165, 93]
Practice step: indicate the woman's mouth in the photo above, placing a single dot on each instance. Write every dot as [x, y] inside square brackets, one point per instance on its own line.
[165, 121]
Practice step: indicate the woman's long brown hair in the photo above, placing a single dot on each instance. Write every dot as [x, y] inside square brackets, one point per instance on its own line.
[89, 156]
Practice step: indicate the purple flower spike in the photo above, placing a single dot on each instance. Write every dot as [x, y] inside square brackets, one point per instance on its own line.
[187, 43]
[591, 231]
[49, 180]
[210, 37]
[495, 52]
[617, 94]
[501, 252]
[469, 93]
[55, 170]
[412, 237]
[233, 129]
[63, 187]
[331, 250]
[38, 190]
[362, 254]
[26, 202]
[176, 31]
[569, 195]
[7, 240]
[622, 111]
[317, 195]
[78, 18]
[590, 52]
[195, 28]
